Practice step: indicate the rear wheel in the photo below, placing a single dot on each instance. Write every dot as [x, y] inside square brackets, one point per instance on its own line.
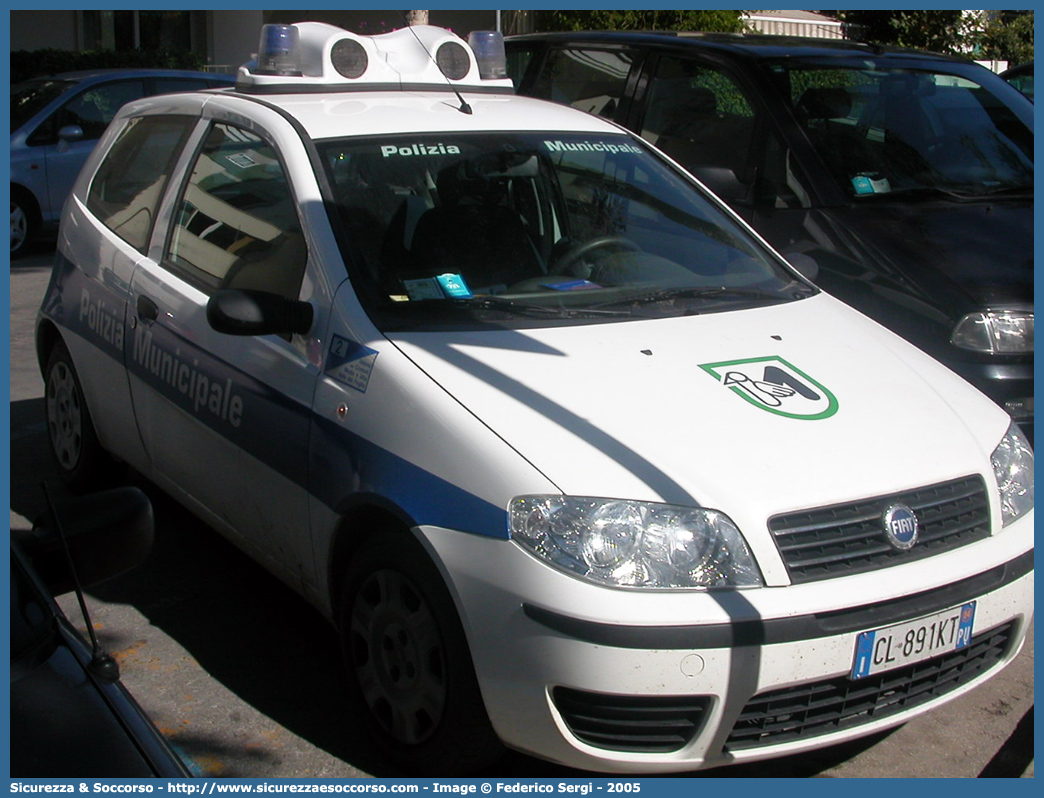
[410, 669]
[82, 462]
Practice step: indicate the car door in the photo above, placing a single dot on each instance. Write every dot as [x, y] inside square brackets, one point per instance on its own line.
[101, 250]
[91, 110]
[226, 419]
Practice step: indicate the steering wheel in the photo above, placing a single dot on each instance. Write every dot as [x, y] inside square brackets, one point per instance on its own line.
[565, 263]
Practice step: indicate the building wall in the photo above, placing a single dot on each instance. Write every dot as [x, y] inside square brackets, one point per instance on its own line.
[42, 30]
[232, 38]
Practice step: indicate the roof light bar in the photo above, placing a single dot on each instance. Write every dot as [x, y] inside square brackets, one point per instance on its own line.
[277, 51]
[314, 56]
[488, 47]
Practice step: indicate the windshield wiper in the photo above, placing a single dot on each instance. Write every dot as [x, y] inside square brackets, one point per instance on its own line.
[528, 309]
[1025, 190]
[793, 290]
[954, 195]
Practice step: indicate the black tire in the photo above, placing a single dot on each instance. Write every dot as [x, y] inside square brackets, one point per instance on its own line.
[409, 668]
[81, 460]
[24, 222]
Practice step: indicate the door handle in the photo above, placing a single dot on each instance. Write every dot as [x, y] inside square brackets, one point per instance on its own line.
[147, 309]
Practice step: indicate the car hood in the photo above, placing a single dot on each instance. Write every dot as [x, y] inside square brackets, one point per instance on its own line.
[963, 255]
[753, 412]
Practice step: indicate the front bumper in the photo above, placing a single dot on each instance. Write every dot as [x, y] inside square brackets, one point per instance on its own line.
[667, 681]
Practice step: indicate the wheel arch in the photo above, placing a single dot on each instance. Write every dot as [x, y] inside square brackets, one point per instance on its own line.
[363, 519]
[28, 198]
[47, 335]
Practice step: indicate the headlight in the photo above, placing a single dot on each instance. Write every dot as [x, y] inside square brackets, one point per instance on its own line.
[998, 332]
[1013, 466]
[634, 544]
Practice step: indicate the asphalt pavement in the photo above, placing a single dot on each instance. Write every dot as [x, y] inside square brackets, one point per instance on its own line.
[245, 679]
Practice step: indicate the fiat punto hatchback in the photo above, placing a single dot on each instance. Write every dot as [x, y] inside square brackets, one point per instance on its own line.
[573, 461]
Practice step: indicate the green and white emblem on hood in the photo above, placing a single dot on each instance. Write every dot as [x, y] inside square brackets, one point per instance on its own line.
[775, 385]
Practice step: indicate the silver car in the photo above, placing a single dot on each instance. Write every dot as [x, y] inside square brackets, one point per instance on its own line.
[55, 122]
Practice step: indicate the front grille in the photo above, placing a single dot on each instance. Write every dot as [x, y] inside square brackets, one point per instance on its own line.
[642, 724]
[849, 538]
[809, 710]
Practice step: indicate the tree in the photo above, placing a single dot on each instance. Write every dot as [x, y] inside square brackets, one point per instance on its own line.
[1009, 37]
[938, 31]
[725, 21]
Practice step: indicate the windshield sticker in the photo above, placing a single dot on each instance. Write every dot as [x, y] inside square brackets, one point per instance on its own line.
[350, 363]
[775, 385]
[445, 286]
[871, 183]
[388, 150]
[591, 146]
[571, 285]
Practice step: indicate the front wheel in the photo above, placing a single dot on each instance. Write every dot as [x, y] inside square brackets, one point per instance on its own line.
[81, 460]
[409, 667]
[23, 224]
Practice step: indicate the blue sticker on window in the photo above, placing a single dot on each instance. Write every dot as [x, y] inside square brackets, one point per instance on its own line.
[572, 285]
[350, 363]
[454, 286]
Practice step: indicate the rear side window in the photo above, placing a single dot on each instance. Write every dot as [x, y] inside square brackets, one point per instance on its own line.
[237, 226]
[127, 187]
[591, 80]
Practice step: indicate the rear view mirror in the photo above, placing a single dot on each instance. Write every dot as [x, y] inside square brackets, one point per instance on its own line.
[70, 133]
[236, 311]
[806, 265]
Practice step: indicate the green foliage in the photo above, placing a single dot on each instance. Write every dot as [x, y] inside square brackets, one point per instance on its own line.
[632, 20]
[938, 31]
[34, 63]
[1009, 37]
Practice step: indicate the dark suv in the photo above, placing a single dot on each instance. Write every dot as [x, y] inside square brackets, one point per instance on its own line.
[907, 177]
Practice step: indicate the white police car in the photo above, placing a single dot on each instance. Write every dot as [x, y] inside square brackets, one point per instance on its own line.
[574, 462]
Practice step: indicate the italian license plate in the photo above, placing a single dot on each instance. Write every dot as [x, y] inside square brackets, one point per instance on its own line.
[882, 650]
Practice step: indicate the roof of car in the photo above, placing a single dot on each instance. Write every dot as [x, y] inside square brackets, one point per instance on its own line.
[746, 44]
[337, 114]
[100, 74]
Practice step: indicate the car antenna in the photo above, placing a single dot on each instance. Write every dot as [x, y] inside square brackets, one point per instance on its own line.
[102, 666]
[464, 107]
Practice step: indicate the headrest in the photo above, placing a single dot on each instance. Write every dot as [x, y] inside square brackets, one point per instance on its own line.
[825, 103]
[698, 100]
[484, 177]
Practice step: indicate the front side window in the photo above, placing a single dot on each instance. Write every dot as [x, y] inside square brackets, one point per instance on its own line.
[699, 116]
[537, 228]
[882, 130]
[237, 225]
[91, 110]
[591, 80]
[94, 109]
[130, 181]
[29, 97]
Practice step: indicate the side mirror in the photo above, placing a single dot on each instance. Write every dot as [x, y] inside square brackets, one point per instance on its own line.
[108, 534]
[70, 133]
[236, 311]
[806, 265]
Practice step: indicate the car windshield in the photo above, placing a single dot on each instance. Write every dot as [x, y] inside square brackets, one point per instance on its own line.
[882, 131]
[538, 229]
[29, 97]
